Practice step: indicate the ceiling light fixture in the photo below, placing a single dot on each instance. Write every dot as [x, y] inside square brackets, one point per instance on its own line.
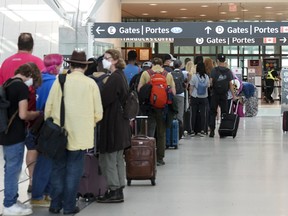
[223, 12]
[152, 4]
[204, 6]
[183, 9]
[163, 11]
[145, 14]
[202, 15]
[268, 7]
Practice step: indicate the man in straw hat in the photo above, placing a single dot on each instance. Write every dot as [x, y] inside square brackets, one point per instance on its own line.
[83, 109]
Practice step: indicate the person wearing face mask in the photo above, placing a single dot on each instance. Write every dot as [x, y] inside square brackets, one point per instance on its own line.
[13, 141]
[24, 55]
[115, 134]
[42, 170]
[168, 62]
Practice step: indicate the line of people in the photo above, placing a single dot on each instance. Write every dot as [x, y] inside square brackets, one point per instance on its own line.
[37, 92]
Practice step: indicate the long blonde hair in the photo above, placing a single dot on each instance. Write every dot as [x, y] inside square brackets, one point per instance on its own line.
[191, 69]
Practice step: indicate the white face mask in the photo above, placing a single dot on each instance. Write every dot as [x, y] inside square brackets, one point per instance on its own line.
[171, 64]
[106, 64]
[29, 82]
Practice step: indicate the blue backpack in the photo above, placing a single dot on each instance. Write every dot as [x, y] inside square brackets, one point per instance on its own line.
[202, 86]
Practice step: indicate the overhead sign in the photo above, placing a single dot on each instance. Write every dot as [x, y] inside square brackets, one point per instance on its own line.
[233, 41]
[190, 30]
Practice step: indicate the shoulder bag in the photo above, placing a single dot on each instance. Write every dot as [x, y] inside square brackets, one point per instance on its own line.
[52, 140]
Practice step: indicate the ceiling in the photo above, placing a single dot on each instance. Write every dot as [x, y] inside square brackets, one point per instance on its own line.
[251, 11]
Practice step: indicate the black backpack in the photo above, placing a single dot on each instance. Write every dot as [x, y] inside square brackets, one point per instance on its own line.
[5, 122]
[221, 86]
[178, 80]
[99, 80]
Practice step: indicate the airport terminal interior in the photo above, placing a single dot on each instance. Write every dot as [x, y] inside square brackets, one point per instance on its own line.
[242, 176]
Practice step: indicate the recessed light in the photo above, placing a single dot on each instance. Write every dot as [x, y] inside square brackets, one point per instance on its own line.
[268, 7]
[202, 15]
[279, 14]
[152, 20]
[257, 16]
[237, 18]
[183, 9]
[204, 6]
[163, 11]
[153, 4]
[145, 14]
[244, 10]
[223, 12]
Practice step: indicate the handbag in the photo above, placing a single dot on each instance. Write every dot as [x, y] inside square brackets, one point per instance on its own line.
[52, 140]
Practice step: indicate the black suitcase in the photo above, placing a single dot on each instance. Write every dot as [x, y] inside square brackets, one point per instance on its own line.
[229, 123]
[285, 121]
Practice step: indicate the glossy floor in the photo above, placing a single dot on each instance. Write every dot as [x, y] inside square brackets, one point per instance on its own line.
[245, 176]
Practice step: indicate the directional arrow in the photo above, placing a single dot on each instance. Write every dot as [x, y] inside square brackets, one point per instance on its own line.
[208, 29]
[283, 40]
[98, 30]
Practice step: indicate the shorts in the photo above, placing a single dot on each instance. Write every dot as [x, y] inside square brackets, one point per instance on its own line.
[30, 141]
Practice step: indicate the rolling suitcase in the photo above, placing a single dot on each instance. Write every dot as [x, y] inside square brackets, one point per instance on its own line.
[172, 135]
[285, 121]
[141, 157]
[92, 184]
[229, 123]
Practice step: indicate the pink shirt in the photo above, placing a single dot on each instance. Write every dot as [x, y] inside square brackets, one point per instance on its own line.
[11, 64]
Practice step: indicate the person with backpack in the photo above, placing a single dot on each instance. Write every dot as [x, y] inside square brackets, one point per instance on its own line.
[159, 79]
[24, 55]
[17, 93]
[179, 81]
[220, 80]
[199, 85]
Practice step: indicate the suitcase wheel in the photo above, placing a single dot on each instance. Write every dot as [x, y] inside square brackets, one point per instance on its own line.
[129, 182]
[176, 147]
[153, 182]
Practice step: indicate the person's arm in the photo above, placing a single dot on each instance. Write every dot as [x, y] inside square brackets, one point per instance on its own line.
[24, 114]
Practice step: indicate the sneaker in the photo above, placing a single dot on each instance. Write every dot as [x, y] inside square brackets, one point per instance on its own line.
[26, 205]
[40, 203]
[111, 196]
[202, 134]
[16, 209]
[160, 163]
[192, 134]
[211, 133]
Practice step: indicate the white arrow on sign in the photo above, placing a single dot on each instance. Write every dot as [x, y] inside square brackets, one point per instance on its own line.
[208, 29]
[283, 40]
[98, 30]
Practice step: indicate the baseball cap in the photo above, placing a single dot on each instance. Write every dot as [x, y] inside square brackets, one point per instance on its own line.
[221, 57]
[169, 57]
[147, 64]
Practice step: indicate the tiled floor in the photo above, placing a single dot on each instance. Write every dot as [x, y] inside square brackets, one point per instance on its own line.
[245, 176]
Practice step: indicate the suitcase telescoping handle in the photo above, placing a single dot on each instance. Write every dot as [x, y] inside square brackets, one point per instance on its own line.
[231, 105]
[145, 122]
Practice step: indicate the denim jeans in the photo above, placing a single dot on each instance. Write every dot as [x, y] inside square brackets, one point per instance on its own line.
[13, 157]
[65, 178]
[41, 177]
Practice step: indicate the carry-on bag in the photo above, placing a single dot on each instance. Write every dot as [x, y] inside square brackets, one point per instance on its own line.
[92, 184]
[172, 135]
[229, 123]
[285, 121]
[141, 157]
